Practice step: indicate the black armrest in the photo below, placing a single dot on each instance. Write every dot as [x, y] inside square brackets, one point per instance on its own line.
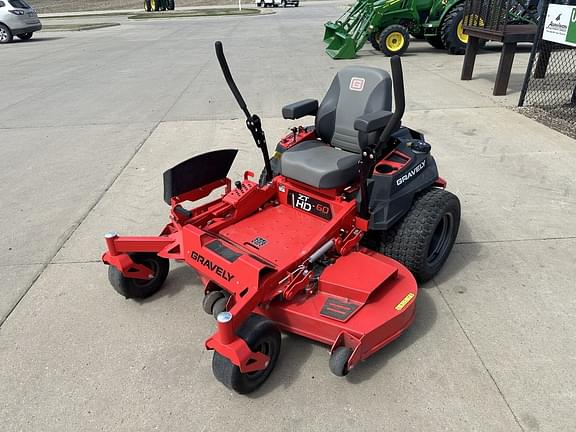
[300, 109]
[373, 121]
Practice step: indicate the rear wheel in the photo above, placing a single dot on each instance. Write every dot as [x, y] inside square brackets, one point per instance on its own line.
[5, 34]
[436, 42]
[452, 31]
[423, 239]
[140, 288]
[394, 40]
[261, 335]
[25, 36]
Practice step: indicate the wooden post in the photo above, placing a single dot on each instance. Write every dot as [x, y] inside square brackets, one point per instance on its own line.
[504, 68]
[470, 58]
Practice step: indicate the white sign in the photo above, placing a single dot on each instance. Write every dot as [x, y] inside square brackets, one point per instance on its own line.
[560, 25]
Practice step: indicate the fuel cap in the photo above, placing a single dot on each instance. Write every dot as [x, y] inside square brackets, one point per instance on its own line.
[419, 146]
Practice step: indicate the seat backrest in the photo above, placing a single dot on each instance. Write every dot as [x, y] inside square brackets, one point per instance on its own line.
[355, 90]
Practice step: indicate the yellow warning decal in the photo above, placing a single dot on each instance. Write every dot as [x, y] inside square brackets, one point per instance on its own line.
[404, 301]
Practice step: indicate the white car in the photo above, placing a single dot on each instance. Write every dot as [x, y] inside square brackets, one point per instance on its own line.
[17, 18]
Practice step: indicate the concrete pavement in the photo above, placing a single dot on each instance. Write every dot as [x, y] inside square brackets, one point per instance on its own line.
[99, 115]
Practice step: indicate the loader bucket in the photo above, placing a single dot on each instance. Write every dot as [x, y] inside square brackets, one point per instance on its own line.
[330, 30]
[341, 46]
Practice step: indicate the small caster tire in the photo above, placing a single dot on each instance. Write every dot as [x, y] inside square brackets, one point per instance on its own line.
[140, 288]
[210, 299]
[338, 362]
[261, 335]
[219, 306]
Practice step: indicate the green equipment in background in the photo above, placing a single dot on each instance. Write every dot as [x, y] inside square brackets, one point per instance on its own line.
[388, 25]
[159, 5]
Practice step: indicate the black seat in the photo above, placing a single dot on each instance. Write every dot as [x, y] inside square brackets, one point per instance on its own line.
[351, 116]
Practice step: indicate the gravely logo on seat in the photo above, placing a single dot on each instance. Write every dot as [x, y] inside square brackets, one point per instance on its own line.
[226, 275]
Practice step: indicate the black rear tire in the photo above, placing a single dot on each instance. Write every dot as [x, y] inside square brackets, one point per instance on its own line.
[423, 239]
[449, 31]
[5, 34]
[394, 40]
[261, 335]
[25, 36]
[140, 288]
[436, 42]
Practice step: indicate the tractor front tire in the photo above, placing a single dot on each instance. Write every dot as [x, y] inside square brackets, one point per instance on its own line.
[261, 335]
[140, 288]
[423, 239]
[374, 39]
[452, 33]
[394, 40]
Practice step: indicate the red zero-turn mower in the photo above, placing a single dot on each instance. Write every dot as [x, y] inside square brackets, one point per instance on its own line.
[328, 245]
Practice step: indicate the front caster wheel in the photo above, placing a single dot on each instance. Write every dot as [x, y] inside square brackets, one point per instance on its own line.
[338, 362]
[261, 335]
[140, 288]
[210, 300]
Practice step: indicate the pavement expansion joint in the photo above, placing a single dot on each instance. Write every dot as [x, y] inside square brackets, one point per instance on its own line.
[515, 240]
[78, 223]
[516, 419]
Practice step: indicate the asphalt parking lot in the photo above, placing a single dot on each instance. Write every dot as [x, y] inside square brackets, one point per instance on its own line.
[89, 122]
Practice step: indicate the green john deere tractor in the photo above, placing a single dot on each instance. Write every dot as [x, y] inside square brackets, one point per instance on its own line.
[388, 24]
[159, 5]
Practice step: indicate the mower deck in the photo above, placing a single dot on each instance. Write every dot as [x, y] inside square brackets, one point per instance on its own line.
[357, 298]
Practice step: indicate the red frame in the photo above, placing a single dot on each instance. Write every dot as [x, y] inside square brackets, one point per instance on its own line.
[273, 281]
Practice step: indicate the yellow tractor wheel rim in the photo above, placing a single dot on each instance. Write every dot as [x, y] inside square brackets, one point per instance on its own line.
[395, 41]
[460, 31]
